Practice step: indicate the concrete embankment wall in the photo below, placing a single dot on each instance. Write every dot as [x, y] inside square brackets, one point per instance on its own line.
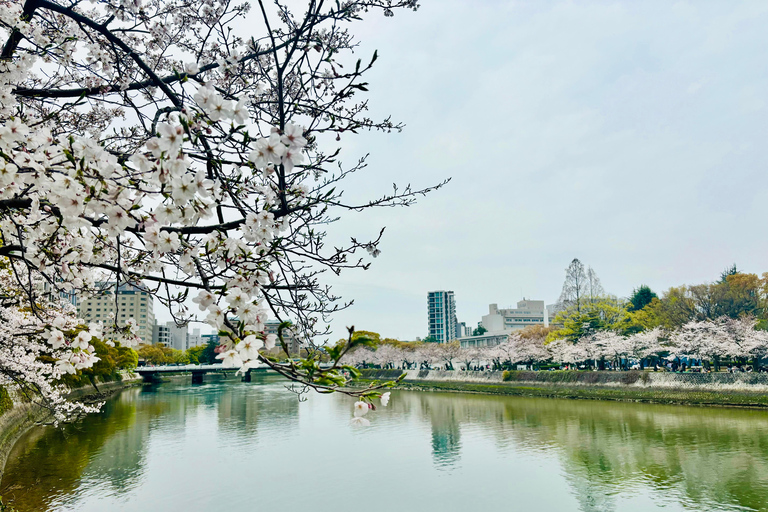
[737, 389]
[21, 414]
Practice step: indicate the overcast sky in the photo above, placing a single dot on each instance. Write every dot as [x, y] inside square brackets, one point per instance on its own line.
[630, 135]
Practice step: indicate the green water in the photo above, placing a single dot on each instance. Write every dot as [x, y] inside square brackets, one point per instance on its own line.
[237, 446]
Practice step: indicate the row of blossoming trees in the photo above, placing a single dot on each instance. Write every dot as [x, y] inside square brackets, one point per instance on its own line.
[699, 342]
[707, 324]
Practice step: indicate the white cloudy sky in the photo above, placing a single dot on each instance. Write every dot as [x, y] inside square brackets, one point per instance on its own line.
[631, 135]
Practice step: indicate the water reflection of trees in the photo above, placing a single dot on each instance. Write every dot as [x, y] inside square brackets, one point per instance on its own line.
[700, 456]
[705, 458]
[244, 410]
[48, 464]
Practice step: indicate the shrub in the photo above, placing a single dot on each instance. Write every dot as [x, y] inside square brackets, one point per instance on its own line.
[6, 403]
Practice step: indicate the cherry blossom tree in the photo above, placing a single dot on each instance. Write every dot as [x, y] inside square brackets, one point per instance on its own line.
[408, 358]
[563, 350]
[360, 357]
[386, 356]
[428, 354]
[192, 148]
[706, 340]
[446, 353]
[36, 350]
[470, 355]
[519, 348]
[642, 345]
[754, 342]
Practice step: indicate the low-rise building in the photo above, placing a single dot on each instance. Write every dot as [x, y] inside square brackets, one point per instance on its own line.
[290, 338]
[489, 339]
[161, 335]
[195, 339]
[528, 312]
[210, 338]
[463, 330]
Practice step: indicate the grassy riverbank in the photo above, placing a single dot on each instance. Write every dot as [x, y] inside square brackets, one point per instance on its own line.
[615, 386]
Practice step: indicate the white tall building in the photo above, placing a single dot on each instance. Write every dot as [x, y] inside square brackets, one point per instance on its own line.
[161, 335]
[194, 339]
[131, 302]
[462, 330]
[177, 336]
[441, 316]
[528, 312]
[171, 335]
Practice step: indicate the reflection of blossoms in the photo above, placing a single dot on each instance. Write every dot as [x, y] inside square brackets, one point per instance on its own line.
[361, 408]
[359, 421]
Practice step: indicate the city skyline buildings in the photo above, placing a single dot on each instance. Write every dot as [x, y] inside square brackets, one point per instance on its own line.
[443, 325]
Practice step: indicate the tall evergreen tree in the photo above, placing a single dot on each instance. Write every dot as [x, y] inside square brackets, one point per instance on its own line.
[730, 271]
[641, 297]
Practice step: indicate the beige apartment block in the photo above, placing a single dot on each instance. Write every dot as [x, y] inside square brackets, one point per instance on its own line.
[130, 302]
[528, 312]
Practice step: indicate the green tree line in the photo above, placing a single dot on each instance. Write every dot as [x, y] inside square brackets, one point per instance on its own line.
[734, 295]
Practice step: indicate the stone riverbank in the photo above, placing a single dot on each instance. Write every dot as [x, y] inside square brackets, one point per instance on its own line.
[716, 389]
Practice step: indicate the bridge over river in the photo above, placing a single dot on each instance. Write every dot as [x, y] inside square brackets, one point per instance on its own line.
[153, 373]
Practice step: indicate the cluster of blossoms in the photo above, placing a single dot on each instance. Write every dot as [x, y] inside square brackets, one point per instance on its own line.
[38, 346]
[361, 408]
[81, 204]
[76, 353]
[144, 143]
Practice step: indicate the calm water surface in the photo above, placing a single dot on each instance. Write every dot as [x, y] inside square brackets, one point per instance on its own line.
[230, 445]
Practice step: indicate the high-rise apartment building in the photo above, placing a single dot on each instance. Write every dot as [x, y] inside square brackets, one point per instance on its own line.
[131, 302]
[441, 312]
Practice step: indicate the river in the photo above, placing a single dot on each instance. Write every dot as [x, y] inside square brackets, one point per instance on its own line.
[226, 446]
